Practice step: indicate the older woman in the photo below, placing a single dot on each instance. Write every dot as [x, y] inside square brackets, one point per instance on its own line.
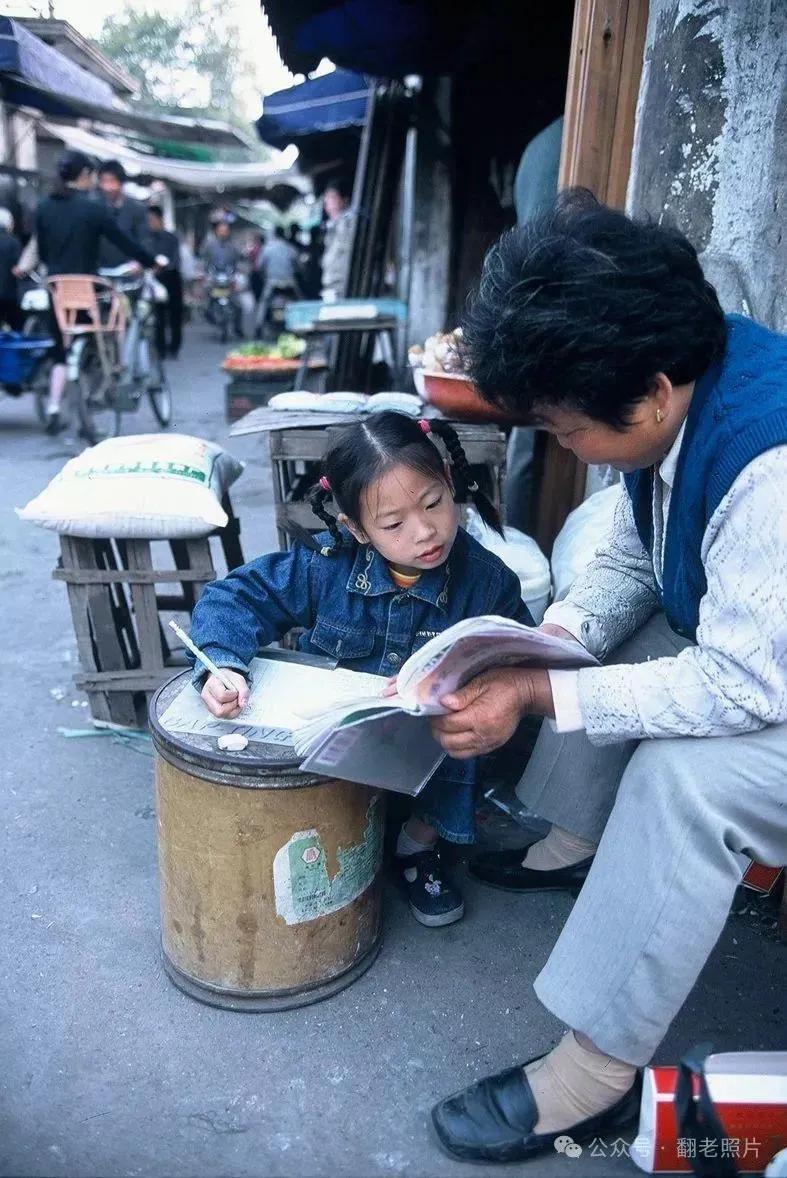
[663, 765]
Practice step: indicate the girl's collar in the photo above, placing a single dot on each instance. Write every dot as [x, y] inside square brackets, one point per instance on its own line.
[371, 577]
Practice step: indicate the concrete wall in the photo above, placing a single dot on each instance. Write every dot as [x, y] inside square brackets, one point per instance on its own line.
[710, 145]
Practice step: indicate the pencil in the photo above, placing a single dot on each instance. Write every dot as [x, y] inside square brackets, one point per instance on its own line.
[203, 658]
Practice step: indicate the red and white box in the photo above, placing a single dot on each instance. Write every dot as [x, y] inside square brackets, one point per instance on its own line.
[760, 878]
[749, 1091]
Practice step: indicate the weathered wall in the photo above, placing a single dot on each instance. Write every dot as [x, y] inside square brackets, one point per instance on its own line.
[711, 142]
[431, 242]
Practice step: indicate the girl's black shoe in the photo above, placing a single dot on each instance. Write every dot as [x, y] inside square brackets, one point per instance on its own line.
[434, 899]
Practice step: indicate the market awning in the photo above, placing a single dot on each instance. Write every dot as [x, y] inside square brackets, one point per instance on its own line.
[332, 102]
[34, 74]
[387, 38]
[177, 128]
[274, 178]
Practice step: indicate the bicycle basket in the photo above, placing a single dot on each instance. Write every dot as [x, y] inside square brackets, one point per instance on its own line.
[19, 355]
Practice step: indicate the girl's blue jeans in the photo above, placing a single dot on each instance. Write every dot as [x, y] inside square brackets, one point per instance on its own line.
[447, 801]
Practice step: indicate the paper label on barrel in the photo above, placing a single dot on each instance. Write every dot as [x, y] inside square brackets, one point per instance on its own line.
[304, 891]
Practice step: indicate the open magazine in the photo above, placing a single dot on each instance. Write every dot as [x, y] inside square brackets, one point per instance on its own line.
[387, 742]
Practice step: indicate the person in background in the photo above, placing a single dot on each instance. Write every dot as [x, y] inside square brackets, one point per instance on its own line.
[310, 271]
[219, 251]
[278, 269]
[164, 244]
[338, 240]
[222, 213]
[253, 251]
[70, 228]
[219, 254]
[10, 249]
[128, 214]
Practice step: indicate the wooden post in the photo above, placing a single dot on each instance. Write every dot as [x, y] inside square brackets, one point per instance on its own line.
[604, 70]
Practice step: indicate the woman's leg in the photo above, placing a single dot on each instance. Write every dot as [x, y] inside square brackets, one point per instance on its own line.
[652, 908]
[573, 783]
[660, 888]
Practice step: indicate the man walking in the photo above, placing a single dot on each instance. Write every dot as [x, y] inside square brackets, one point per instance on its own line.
[169, 316]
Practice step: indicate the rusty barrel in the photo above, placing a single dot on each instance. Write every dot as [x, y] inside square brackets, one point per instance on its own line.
[270, 878]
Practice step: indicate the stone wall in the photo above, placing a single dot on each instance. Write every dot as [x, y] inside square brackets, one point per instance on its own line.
[710, 148]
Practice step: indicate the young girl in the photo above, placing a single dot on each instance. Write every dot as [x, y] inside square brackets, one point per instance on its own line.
[393, 570]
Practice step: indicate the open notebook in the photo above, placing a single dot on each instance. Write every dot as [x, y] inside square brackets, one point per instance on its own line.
[341, 725]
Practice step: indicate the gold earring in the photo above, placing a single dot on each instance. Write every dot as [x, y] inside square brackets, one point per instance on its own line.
[659, 416]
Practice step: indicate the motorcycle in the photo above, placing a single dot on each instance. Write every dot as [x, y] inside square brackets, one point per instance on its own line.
[272, 315]
[222, 308]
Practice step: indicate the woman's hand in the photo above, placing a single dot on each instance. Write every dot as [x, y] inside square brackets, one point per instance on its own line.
[221, 702]
[486, 712]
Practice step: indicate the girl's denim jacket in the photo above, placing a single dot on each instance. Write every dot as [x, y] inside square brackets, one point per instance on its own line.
[352, 611]
[348, 605]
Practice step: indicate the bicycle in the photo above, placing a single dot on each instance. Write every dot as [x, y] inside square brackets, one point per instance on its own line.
[112, 360]
[35, 308]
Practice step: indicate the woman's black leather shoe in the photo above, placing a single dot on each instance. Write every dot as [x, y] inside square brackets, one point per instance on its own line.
[503, 869]
[492, 1120]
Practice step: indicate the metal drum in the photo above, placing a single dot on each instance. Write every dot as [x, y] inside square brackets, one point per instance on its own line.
[270, 878]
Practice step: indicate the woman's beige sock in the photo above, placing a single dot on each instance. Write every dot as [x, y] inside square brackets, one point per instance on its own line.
[560, 848]
[573, 1082]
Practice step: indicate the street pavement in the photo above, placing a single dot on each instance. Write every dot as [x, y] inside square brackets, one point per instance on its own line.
[107, 1069]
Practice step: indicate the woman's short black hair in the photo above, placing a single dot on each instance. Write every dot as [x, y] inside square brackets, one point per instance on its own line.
[580, 308]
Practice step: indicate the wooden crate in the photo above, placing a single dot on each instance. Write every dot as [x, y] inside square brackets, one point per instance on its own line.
[243, 393]
[296, 456]
[124, 651]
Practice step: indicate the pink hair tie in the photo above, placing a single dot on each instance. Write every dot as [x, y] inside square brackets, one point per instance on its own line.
[424, 425]
[324, 483]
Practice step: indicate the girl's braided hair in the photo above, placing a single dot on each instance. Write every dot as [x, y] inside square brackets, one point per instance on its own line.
[367, 449]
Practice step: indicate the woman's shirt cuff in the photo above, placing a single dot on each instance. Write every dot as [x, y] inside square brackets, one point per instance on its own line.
[579, 622]
[565, 697]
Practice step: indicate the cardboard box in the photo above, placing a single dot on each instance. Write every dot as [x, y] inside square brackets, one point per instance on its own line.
[749, 1090]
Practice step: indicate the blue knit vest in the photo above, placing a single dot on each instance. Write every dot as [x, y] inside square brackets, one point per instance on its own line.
[738, 411]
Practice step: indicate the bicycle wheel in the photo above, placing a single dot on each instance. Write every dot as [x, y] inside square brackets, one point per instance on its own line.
[160, 390]
[98, 414]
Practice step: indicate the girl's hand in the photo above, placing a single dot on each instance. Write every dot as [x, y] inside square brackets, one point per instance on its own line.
[390, 688]
[220, 702]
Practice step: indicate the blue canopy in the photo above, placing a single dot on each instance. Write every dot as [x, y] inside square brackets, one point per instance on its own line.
[34, 74]
[391, 38]
[332, 102]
